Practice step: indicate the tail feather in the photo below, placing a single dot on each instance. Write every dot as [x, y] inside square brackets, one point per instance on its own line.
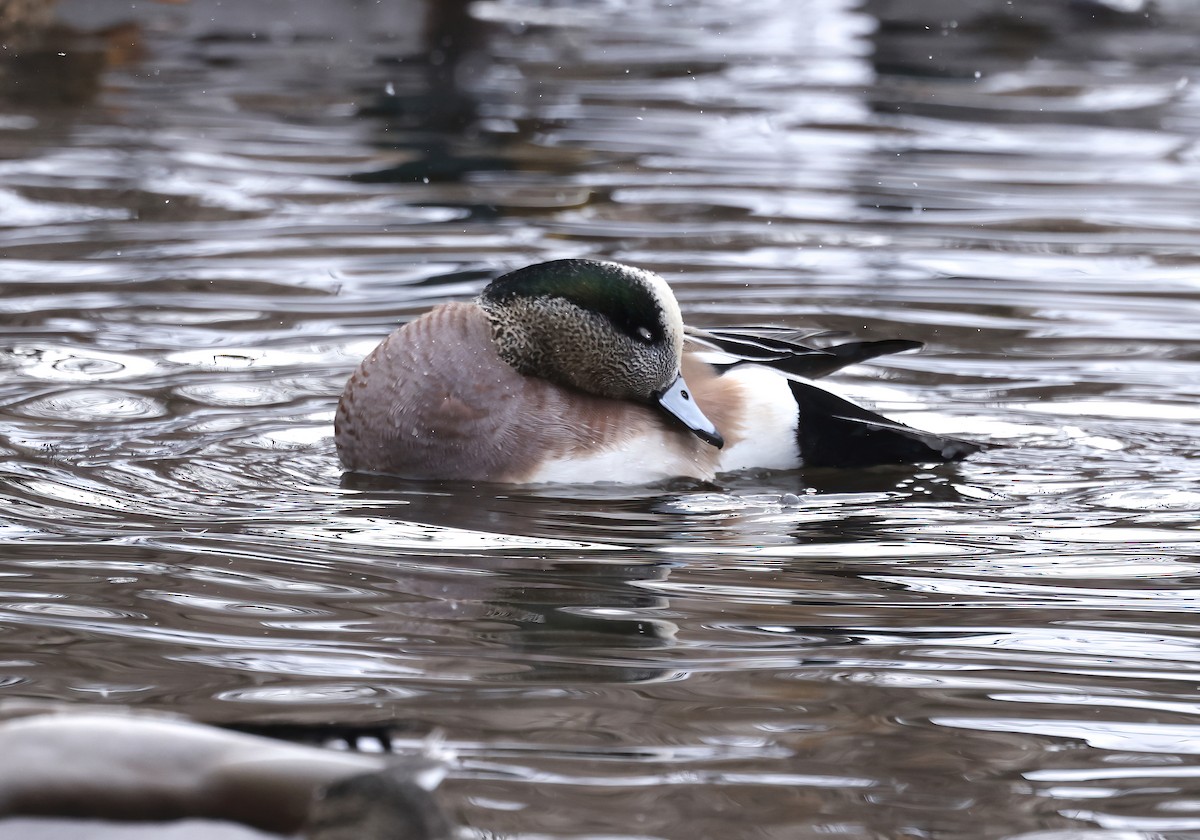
[781, 348]
[835, 358]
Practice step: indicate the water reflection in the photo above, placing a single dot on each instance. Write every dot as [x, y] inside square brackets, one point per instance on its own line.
[201, 248]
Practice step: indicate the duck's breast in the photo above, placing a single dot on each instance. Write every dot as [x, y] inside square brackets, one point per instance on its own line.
[431, 401]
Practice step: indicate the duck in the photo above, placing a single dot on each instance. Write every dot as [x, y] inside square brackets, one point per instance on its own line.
[583, 371]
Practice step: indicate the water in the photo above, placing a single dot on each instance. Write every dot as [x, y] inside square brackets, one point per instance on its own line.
[204, 236]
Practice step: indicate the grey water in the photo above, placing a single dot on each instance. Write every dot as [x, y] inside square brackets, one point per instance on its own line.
[209, 214]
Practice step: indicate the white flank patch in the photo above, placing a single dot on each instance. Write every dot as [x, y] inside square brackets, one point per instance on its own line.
[771, 420]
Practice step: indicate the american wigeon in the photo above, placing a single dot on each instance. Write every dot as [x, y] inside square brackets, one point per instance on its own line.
[579, 371]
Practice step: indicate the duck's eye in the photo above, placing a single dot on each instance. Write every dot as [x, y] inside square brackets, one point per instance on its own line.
[644, 334]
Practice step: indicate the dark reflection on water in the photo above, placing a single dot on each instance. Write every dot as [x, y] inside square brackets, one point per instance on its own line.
[204, 235]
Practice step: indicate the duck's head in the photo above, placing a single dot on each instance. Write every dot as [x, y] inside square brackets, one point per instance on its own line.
[604, 328]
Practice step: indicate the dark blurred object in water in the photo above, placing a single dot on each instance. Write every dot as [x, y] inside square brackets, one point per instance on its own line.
[64, 761]
[962, 38]
[435, 117]
[47, 63]
[385, 805]
[18, 18]
[437, 99]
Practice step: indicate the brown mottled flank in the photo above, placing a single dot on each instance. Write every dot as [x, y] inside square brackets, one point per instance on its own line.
[434, 400]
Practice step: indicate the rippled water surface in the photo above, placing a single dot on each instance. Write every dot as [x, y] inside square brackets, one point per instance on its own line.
[203, 234]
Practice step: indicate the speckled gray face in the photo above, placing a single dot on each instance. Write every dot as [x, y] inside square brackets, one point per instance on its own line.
[604, 328]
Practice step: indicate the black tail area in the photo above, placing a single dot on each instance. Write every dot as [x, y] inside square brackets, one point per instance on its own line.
[836, 433]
